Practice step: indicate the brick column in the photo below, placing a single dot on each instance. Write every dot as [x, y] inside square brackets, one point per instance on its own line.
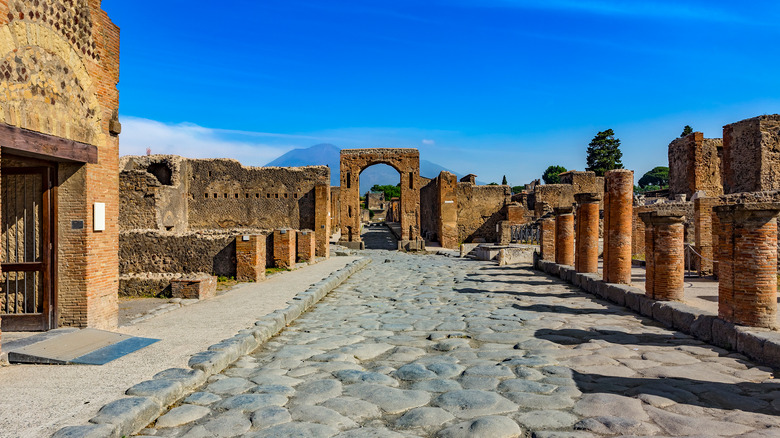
[250, 258]
[618, 215]
[587, 233]
[664, 254]
[702, 208]
[547, 238]
[564, 236]
[284, 248]
[306, 245]
[322, 219]
[747, 252]
[716, 230]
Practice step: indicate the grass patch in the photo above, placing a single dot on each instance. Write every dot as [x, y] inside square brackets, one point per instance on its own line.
[224, 283]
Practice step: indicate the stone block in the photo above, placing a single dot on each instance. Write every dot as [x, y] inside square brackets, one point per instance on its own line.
[701, 327]
[617, 294]
[646, 306]
[662, 312]
[750, 342]
[197, 287]
[724, 334]
[770, 354]
[633, 301]
[683, 316]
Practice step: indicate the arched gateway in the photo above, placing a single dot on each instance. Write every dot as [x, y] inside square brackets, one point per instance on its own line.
[407, 163]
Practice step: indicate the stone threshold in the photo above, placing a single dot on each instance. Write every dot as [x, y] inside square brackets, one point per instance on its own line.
[148, 400]
[760, 345]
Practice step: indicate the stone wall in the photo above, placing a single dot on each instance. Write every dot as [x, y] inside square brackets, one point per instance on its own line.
[153, 193]
[225, 194]
[480, 209]
[430, 214]
[552, 195]
[694, 165]
[751, 155]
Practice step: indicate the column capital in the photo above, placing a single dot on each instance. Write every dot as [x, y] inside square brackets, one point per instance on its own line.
[586, 198]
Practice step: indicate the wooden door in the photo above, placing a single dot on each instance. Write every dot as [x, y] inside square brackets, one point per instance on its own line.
[27, 299]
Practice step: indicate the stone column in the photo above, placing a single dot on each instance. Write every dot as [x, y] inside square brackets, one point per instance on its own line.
[747, 256]
[618, 215]
[250, 258]
[306, 245]
[703, 225]
[564, 236]
[547, 243]
[587, 234]
[284, 248]
[716, 230]
[664, 254]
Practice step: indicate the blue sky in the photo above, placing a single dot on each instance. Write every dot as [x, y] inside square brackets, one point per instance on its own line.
[491, 87]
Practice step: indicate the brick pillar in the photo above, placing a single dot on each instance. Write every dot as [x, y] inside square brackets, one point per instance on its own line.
[547, 243]
[564, 236]
[747, 251]
[306, 245]
[250, 258]
[618, 215]
[664, 254]
[702, 208]
[284, 248]
[587, 233]
[715, 242]
[322, 219]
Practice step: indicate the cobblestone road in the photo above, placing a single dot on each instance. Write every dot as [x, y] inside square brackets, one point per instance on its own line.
[434, 346]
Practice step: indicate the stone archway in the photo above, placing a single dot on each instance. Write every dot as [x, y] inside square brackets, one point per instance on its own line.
[407, 163]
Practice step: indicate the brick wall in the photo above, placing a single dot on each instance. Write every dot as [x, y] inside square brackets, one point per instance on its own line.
[250, 257]
[73, 67]
[306, 246]
[284, 248]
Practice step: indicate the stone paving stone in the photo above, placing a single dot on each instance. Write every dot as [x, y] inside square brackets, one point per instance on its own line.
[436, 346]
[182, 415]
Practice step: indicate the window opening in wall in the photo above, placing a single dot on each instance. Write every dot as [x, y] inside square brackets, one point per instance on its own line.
[285, 196]
[257, 195]
[411, 180]
[349, 180]
[215, 196]
[350, 211]
[247, 195]
[236, 195]
[276, 195]
[168, 228]
[209, 174]
[268, 195]
[162, 172]
[296, 196]
[225, 195]
[207, 196]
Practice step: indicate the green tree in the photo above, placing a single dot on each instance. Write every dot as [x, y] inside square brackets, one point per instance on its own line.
[493, 184]
[659, 176]
[550, 176]
[604, 153]
[517, 189]
[389, 191]
[503, 181]
[687, 130]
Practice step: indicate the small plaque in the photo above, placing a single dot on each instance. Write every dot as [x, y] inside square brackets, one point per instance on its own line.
[245, 238]
[449, 202]
[76, 225]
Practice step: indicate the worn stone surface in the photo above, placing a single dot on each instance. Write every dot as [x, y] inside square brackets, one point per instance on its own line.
[418, 346]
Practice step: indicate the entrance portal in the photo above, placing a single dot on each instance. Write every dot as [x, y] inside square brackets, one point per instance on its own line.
[26, 292]
[407, 163]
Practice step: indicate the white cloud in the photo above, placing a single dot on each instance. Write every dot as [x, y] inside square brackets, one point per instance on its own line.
[428, 142]
[193, 141]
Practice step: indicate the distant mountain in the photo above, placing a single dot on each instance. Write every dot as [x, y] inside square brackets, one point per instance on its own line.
[328, 154]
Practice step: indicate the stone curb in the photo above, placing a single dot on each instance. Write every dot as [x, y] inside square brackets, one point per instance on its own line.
[149, 399]
[761, 345]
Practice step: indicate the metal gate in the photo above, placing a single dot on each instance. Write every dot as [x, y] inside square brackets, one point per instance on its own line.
[26, 292]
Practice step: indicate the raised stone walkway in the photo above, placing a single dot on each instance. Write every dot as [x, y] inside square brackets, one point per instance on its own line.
[36, 401]
[434, 346]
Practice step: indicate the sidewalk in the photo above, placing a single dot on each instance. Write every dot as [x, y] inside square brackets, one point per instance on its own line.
[36, 401]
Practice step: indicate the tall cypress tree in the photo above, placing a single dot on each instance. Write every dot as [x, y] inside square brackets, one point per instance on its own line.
[604, 153]
[503, 181]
